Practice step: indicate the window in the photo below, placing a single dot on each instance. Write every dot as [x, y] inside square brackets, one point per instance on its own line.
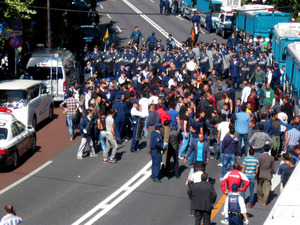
[11, 96]
[3, 133]
[43, 89]
[20, 126]
[33, 92]
[14, 129]
[43, 73]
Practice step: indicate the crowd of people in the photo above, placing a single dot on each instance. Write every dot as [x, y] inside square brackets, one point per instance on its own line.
[193, 108]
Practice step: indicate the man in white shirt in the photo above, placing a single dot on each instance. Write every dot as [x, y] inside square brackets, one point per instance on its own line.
[87, 98]
[135, 116]
[196, 176]
[192, 66]
[223, 129]
[245, 92]
[10, 218]
[153, 99]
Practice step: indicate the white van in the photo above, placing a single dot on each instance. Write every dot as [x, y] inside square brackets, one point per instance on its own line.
[57, 69]
[28, 100]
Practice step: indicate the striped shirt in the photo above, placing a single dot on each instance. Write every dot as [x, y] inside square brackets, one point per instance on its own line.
[10, 219]
[294, 135]
[250, 164]
[72, 104]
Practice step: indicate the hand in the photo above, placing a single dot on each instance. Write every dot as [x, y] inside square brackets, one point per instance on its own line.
[84, 131]
[218, 142]
[185, 135]
[263, 84]
[229, 74]
[165, 144]
[185, 161]
[246, 222]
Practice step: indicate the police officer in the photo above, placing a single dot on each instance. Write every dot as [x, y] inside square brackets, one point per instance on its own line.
[190, 54]
[125, 54]
[131, 56]
[252, 61]
[154, 60]
[161, 6]
[235, 208]
[156, 148]
[177, 60]
[275, 77]
[107, 63]
[224, 50]
[262, 62]
[232, 42]
[235, 73]
[121, 110]
[159, 45]
[135, 115]
[208, 21]
[203, 62]
[117, 58]
[201, 46]
[195, 18]
[142, 59]
[217, 61]
[170, 41]
[168, 56]
[152, 42]
[95, 57]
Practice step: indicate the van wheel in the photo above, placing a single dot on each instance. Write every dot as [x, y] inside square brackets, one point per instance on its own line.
[34, 122]
[51, 112]
[217, 30]
[15, 159]
[223, 34]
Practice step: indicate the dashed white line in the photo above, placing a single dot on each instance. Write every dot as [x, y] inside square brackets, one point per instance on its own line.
[108, 16]
[26, 177]
[152, 1]
[118, 28]
[180, 17]
[101, 7]
[155, 25]
[105, 206]
[276, 179]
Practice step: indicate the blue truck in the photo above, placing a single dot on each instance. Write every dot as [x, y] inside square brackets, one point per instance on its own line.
[258, 20]
[203, 7]
[284, 34]
[292, 73]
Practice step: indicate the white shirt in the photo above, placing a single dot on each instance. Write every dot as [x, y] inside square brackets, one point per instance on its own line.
[241, 204]
[10, 219]
[170, 83]
[135, 112]
[223, 127]
[245, 94]
[146, 74]
[153, 99]
[269, 77]
[87, 99]
[191, 65]
[144, 103]
[121, 80]
[196, 177]
[284, 118]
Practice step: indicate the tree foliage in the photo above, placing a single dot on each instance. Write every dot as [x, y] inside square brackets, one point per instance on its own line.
[18, 9]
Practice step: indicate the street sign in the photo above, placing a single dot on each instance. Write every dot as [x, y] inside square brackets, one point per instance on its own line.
[15, 41]
[16, 24]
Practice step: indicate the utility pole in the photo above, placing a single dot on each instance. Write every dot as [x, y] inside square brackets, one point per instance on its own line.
[48, 27]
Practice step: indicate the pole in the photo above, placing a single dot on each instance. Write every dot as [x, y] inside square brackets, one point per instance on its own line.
[48, 27]
[16, 58]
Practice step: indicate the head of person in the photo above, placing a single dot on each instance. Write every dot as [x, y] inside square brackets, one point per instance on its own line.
[274, 115]
[231, 130]
[297, 150]
[111, 111]
[286, 157]
[260, 127]
[252, 123]
[167, 123]
[89, 113]
[200, 166]
[234, 187]
[251, 151]
[204, 176]
[223, 117]
[201, 137]
[268, 86]
[9, 209]
[157, 126]
[152, 108]
[267, 147]
[136, 28]
[70, 94]
[292, 162]
[236, 166]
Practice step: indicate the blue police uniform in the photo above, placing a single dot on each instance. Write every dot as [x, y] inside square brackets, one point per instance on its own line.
[154, 60]
[252, 61]
[177, 61]
[208, 21]
[170, 42]
[120, 117]
[224, 51]
[217, 61]
[195, 19]
[231, 42]
[117, 57]
[275, 78]
[95, 57]
[152, 42]
[168, 57]
[234, 70]
[107, 64]
[160, 46]
[203, 62]
[234, 210]
[161, 6]
[262, 62]
[156, 147]
[190, 55]
[142, 59]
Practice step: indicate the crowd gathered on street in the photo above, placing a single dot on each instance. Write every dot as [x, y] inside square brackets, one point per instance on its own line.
[194, 102]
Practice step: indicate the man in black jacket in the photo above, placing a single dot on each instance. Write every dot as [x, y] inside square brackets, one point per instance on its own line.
[203, 196]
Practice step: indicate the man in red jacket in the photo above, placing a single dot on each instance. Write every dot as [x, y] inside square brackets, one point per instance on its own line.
[163, 113]
[234, 177]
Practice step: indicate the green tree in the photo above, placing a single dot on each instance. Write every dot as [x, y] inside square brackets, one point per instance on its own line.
[18, 9]
[286, 6]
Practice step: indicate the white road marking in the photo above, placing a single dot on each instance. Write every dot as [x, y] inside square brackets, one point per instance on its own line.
[189, 176]
[152, 1]
[122, 192]
[26, 177]
[179, 17]
[118, 28]
[155, 25]
[276, 179]
[101, 7]
[108, 16]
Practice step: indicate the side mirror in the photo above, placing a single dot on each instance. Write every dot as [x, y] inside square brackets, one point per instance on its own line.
[283, 56]
[29, 127]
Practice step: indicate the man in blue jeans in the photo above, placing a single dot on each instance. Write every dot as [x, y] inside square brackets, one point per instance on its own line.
[229, 150]
[242, 125]
[250, 169]
[185, 133]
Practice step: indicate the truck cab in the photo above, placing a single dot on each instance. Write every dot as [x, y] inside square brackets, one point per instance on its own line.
[206, 7]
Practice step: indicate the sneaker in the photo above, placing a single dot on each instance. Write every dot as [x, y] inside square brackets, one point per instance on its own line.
[71, 138]
[250, 206]
[220, 165]
[79, 157]
[112, 161]
[180, 157]
[225, 221]
[264, 204]
[105, 160]
[93, 155]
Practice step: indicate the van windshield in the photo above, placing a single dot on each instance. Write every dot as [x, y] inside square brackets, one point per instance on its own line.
[43, 73]
[10, 98]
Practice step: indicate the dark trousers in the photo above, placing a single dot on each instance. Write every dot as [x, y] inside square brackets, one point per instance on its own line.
[235, 220]
[161, 9]
[119, 124]
[134, 142]
[156, 161]
[235, 81]
[199, 214]
[172, 152]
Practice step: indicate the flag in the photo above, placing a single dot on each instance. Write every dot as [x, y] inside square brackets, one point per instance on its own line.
[106, 35]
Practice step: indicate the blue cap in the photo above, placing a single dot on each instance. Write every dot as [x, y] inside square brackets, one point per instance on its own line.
[276, 64]
[135, 101]
[257, 43]
[174, 125]
[234, 187]
[77, 86]
[158, 125]
[118, 96]
[108, 79]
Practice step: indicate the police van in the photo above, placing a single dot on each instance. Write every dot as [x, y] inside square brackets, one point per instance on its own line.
[28, 100]
[57, 69]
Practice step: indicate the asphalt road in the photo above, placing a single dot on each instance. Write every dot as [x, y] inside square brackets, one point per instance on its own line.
[66, 189]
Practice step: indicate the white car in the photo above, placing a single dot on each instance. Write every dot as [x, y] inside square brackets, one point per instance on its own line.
[29, 100]
[15, 138]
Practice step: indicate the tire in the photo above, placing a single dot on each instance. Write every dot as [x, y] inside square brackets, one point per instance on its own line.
[217, 30]
[33, 146]
[51, 112]
[15, 159]
[223, 33]
[34, 122]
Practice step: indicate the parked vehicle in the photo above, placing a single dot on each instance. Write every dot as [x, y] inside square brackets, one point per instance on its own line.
[284, 34]
[15, 138]
[29, 100]
[57, 69]
[259, 20]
